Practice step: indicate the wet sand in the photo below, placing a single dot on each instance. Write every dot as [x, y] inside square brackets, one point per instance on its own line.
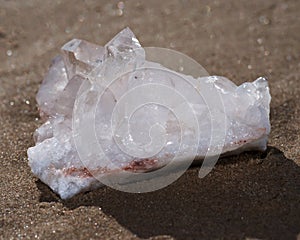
[253, 195]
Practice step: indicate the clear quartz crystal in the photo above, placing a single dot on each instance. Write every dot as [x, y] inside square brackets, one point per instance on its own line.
[88, 70]
[81, 57]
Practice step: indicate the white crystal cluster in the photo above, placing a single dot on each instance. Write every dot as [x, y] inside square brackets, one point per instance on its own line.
[94, 88]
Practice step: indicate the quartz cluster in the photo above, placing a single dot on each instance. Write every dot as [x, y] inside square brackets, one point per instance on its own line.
[143, 115]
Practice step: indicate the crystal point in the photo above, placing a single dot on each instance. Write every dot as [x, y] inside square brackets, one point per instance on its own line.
[81, 57]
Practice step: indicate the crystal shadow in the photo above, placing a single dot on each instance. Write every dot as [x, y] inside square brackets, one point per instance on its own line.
[250, 195]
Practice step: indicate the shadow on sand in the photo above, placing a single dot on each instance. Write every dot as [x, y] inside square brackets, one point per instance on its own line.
[251, 195]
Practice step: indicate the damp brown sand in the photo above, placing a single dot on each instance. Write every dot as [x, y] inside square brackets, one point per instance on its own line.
[253, 195]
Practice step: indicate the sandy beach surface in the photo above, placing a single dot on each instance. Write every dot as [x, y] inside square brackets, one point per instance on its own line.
[250, 196]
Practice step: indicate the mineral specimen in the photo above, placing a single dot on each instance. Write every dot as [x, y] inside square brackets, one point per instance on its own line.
[107, 110]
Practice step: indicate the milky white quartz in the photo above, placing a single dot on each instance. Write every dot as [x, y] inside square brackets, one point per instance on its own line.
[68, 101]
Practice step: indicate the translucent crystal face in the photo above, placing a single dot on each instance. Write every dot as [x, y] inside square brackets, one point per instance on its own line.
[81, 57]
[109, 112]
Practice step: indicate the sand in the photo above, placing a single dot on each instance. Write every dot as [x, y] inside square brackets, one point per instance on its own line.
[253, 195]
